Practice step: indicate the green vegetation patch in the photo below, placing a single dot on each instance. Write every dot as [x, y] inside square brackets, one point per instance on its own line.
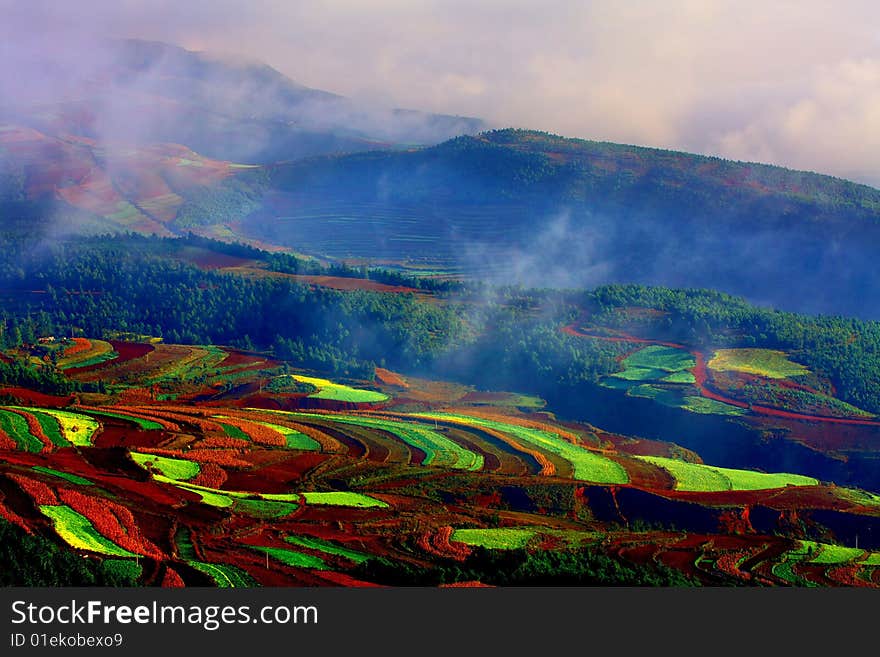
[224, 575]
[176, 469]
[327, 547]
[640, 374]
[439, 450]
[234, 432]
[656, 357]
[265, 509]
[52, 428]
[15, 426]
[340, 392]
[708, 478]
[294, 439]
[123, 569]
[587, 465]
[785, 568]
[78, 531]
[77, 428]
[830, 554]
[705, 406]
[246, 502]
[872, 560]
[344, 498]
[495, 538]
[63, 475]
[679, 377]
[293, 558]
[764, 362]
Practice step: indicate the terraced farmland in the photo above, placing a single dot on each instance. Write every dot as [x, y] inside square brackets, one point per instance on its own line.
[586, 465]
[700, 477]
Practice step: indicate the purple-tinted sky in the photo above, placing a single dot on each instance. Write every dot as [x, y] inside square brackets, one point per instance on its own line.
[795, 83]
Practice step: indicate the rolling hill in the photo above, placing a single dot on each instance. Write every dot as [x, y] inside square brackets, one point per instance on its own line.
[528, 207]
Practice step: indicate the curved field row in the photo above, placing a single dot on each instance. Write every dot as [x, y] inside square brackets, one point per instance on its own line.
[708, 478]
[85, 353]
[344, 498]
[268, 433]
[439, 450]
[294, 439]
[224, 576]
[16, 429]
[545, 466]
[192, 361]
[76, 428]
[35, 428]
[292, 557]
[340, 392]
[79, 532]
[495, 538]
[72, 478]
[259, 505]
[177, 469]
[327, 443]
[586, 465]
[113, 521]
[51, 427]
[142, 420]
[260, 433]
[39, 492]
[518, 421]
[174, 416]
[769, 363]
[328, 547]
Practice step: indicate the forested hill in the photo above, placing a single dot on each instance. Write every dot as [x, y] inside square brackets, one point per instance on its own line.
[547, 210]
[538, 168]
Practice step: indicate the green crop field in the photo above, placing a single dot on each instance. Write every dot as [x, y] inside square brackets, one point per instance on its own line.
[339, 392]
[234, 432]
[327, 547]
[52, 428]
[293, 558]
[63, 475]
[700, 477]
[675, 399]
[682, 376]
[124, 568]
[262, 508]
[706, 406]
[224, 575]
[764, 362]
[495, 538]
[785, 568]
[294, 439]
[79, 532]
[668, 359]
[77, 428]
[15, 426]
[439, 450]
[641, 374]
[227, 498]
[177, 469]
[657, 363]
[829, 554]
[587, 465]
[344, 498]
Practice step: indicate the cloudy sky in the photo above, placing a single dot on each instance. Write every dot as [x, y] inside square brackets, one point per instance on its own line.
[795, 83]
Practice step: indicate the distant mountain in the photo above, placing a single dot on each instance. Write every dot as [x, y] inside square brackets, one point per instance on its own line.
[528, 207]
[144, 93]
